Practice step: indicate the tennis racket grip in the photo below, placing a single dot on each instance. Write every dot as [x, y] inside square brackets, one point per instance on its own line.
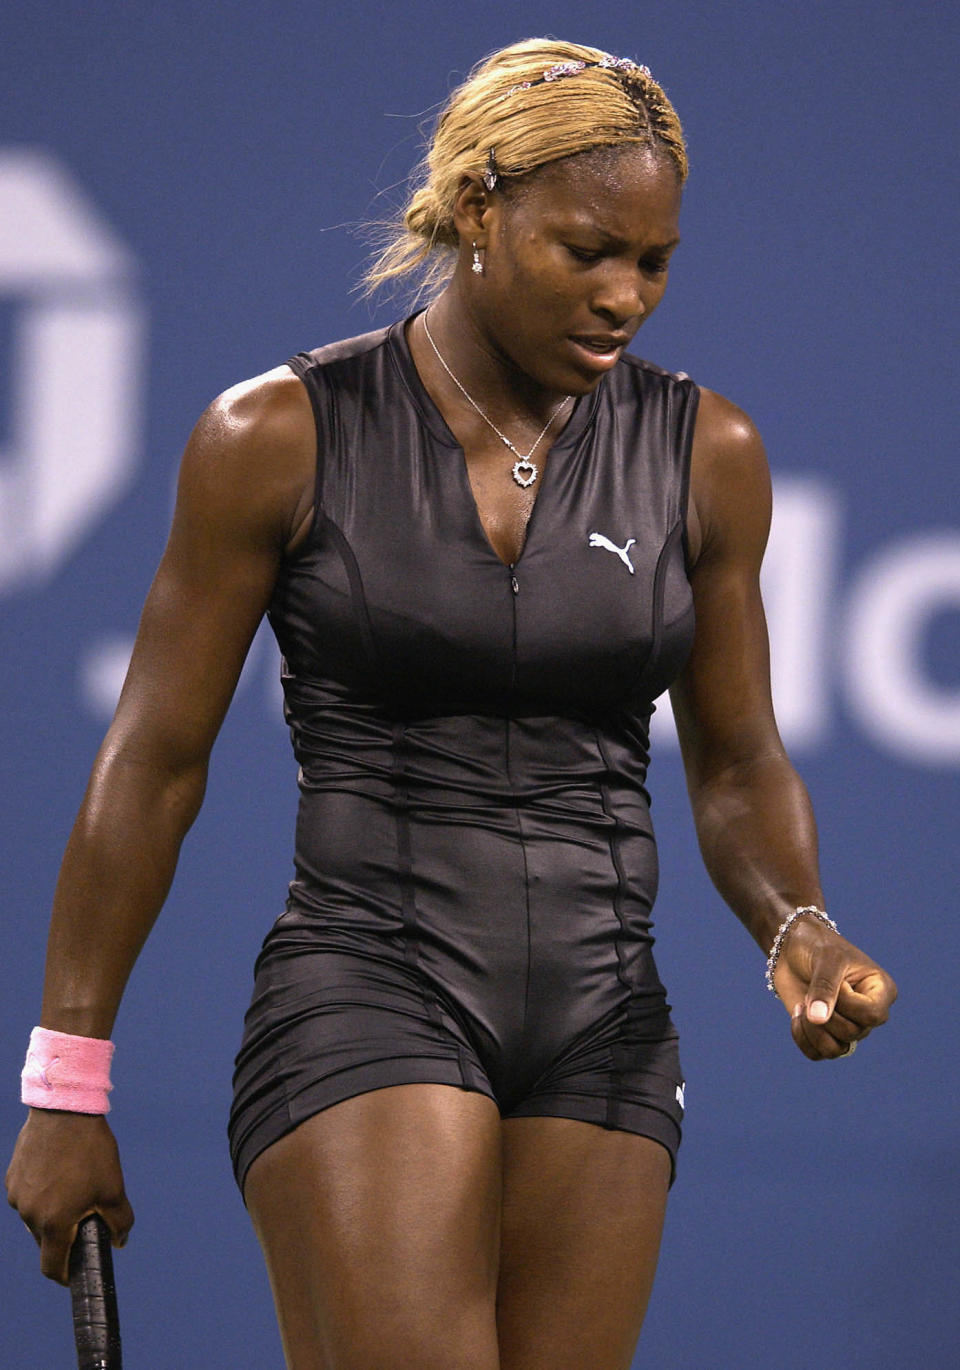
[96, 1324]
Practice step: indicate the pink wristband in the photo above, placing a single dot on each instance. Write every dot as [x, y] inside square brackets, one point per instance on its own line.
[63, 1071]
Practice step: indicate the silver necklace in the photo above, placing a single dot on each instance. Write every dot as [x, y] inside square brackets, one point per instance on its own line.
[525, 471]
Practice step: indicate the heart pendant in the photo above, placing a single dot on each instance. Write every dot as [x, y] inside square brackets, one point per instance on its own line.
[525, 472]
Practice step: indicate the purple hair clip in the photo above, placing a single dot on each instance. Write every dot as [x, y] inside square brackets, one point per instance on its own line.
[624, 64]
[562, 69]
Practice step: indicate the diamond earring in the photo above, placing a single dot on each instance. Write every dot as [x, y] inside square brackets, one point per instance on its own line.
[477, 267]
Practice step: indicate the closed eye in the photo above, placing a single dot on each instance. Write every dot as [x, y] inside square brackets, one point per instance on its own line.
[584, 254]
[654, 266]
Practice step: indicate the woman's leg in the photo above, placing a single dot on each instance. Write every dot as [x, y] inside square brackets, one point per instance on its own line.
[580, 1232]
[380, 1222]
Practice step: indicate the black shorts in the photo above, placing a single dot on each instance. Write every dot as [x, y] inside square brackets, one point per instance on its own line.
[337, 1012]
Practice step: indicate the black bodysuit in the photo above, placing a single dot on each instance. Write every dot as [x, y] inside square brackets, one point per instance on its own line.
[475, 863]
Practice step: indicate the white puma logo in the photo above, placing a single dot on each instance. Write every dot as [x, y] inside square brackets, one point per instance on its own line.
[598, 540]
[680, 1090]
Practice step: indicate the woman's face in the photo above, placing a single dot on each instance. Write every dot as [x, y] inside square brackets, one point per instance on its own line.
[575, 261]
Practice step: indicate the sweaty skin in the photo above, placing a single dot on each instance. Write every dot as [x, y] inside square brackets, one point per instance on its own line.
[574, 262]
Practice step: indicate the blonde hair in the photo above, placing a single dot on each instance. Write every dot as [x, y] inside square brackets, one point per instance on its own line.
[526, 128]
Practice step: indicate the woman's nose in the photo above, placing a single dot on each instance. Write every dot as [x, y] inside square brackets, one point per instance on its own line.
[620, 297]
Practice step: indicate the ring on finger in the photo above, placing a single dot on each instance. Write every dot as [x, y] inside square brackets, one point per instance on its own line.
[848, 1051]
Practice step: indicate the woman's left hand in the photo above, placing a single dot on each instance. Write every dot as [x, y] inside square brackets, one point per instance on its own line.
[835, 993]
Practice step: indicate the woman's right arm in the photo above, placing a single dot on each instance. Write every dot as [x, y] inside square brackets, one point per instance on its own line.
[244, 496]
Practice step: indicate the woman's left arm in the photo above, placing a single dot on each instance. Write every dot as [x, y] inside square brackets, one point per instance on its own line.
[752, 812]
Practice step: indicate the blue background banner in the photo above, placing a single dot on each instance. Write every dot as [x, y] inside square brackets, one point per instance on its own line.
[180, 187]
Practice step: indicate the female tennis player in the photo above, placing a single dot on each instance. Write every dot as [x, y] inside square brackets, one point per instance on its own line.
[487, 538]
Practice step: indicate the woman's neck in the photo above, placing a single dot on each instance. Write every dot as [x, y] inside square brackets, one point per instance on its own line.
[484, 370]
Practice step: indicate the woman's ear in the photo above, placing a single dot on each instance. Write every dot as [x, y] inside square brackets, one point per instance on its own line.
[471, 207]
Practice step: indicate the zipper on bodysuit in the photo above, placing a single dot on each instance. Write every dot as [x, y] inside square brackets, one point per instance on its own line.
[514, 591]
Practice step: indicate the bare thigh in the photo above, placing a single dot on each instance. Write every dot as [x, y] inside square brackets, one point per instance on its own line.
[583, 1212]
[379, 1219]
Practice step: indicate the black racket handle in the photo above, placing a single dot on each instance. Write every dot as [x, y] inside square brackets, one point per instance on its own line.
[96, 1324]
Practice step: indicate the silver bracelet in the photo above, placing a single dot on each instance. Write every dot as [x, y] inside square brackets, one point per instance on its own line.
[782, 931]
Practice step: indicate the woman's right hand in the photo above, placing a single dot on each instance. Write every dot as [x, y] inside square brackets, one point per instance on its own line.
[64, 1166]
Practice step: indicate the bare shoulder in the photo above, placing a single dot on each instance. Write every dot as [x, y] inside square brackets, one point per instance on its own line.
[270, 407]
[730, 493]
[255, 447]
[726, 439]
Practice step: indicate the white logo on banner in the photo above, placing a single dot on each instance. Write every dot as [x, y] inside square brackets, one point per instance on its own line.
[893, 602]
[74, 384]
[868, 641]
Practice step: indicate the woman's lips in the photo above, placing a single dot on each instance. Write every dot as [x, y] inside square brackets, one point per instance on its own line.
[598, 356]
